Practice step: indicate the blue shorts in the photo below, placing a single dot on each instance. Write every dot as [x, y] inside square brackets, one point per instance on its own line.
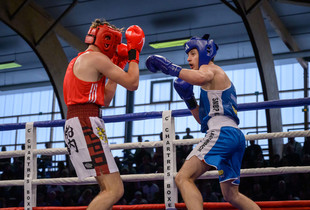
[223, 149]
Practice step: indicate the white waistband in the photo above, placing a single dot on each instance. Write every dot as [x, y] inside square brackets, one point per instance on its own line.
[219, 121]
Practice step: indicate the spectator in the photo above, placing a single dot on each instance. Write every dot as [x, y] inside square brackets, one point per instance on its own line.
[150, 151]
[18, 168]
[306, 147]
[306, 160]
[62, 170]
[306, 152]
[45, 162]
[187, 148]
[292, 147]
[150, 190]
[18, 165]
[275, 161]
[253, 156]
[128, 157]
[281, 193]
[121, 201]
[184, 150]
[68, 198]
[188, 136]
[41, 199]
[158, 158]
[118, 162]
[295, 184]
[292, 152]
[58, 189]
[86, 197]
[52, 199]
[5, 161]
[22, 158]
[146, 166]
[138, 199]
[207, 192]
[258, 194]
[139, 153]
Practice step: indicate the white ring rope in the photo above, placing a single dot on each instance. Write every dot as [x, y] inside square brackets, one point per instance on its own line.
[59, 151]
[169, 143]
[278, 135]
[160, 176]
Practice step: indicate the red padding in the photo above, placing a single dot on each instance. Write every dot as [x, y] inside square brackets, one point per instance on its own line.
[265, 205]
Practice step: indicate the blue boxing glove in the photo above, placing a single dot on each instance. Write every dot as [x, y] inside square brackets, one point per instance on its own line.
[185, 91]
[159, 63]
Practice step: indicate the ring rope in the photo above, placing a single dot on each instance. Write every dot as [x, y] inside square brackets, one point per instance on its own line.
[278, 135]
[59, 151]
[160, 176]
[175, 113]
[168, 124]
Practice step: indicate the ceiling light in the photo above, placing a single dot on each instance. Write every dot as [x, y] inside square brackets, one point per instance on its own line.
[169, 43]
[9, 65]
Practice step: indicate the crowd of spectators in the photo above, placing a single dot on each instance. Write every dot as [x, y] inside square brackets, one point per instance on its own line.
[145, 160]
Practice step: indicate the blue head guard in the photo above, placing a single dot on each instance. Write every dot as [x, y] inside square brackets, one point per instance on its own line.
[206, 48]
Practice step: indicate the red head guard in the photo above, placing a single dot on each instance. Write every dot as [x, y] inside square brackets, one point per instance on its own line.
[105, 38]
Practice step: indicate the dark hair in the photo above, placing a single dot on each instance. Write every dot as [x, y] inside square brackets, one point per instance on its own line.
[98, 22]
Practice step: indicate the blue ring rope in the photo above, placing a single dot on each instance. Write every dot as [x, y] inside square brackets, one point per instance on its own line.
[158, 114]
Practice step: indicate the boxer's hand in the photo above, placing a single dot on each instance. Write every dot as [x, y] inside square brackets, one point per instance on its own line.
[135, 41]
[120, 58]
[159, 63]
[185, 91]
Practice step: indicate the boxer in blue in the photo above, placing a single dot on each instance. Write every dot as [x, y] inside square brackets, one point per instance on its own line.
[224, 144]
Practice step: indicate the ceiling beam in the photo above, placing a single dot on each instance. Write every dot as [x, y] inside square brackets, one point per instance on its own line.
[50, 52]
[253, 6]
[231, 7]
[65, 34]
[296, 2]
[22, 5]
[282, 31]
[254, 24]
[56, 22]
[70, 38]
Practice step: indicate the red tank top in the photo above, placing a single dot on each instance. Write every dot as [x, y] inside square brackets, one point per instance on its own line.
[77, 91]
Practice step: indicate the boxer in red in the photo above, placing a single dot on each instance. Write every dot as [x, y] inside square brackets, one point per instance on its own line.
[90, 82]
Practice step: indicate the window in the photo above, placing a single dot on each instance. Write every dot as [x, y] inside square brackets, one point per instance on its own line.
[153, 95]
[161, 91]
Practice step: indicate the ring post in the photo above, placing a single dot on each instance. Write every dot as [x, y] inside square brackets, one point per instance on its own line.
[169, 150]
[30, 190]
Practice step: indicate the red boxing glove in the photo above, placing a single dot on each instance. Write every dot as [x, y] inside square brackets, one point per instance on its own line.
[120, 58]
[135, 41]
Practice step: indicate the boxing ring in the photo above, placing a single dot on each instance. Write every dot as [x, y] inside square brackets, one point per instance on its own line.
[169, 143]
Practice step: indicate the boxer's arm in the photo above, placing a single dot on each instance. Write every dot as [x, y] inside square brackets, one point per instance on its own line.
[195, 113]
[135, 41]
[109, 92]
[105, 66]
[130, 79]
[197, 77]
[120, 57]
[185, 91]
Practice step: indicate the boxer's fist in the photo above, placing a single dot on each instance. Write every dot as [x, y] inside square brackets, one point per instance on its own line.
[156, 63]
[135, 41]
[185, 91]
[120, 58]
